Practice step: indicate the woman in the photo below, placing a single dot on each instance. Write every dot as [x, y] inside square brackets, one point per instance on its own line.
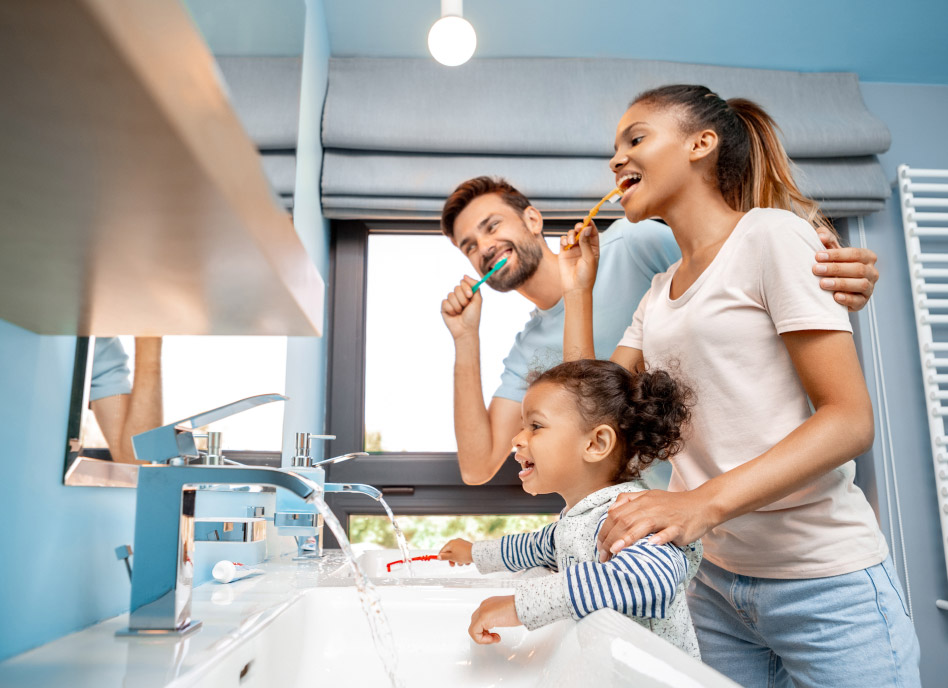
[797, 587]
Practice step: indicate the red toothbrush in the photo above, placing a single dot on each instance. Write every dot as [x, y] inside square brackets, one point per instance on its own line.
[426, 557]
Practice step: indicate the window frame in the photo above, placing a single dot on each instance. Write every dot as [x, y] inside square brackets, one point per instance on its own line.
[417, 483]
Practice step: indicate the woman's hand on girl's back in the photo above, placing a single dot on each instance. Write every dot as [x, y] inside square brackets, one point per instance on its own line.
[676, 517]
[578, 264]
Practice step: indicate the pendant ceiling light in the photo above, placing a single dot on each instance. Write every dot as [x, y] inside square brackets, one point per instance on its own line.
[451, 39]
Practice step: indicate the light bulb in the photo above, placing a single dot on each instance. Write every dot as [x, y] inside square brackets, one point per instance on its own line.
[452, 40]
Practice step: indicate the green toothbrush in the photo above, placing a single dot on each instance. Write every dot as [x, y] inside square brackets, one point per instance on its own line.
[500, 263]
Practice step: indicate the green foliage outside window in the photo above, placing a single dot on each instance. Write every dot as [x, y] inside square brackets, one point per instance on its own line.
[432, 532]
[373, 442]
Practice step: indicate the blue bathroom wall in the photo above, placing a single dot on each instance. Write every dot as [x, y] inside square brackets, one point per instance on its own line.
[250, 27]
[306, 357]
[286, 27]
[916, 116]
[60, 573]
[880, 40]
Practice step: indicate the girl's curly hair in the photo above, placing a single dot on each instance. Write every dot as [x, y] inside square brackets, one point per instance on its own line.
[647, 409]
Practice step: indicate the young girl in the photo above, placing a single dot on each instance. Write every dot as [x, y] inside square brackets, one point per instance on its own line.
[589, 429]
[797, 586]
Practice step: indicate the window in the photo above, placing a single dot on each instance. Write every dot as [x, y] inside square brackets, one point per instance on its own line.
[391, 381]
[409, 355]
[432, 532]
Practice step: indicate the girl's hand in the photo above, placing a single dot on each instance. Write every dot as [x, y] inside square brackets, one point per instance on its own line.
[849, 272]
[578, 265]
[457, 551]
[677, 517]
[494, 612]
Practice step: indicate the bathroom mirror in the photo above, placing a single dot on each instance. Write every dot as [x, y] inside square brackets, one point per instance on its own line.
[126, 385]
[201, 373]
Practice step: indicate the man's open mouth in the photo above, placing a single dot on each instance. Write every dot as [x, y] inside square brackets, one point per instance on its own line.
[497, 258]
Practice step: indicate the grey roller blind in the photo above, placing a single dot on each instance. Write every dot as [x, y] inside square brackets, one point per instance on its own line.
[265, 94]
[400, 134]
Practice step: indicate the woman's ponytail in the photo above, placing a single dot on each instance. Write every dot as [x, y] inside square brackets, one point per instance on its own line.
[768, 179]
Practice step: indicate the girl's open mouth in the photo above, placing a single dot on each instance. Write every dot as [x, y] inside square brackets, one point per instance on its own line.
[526, 469]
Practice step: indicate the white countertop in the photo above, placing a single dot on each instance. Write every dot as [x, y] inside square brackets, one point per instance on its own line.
[95, 657]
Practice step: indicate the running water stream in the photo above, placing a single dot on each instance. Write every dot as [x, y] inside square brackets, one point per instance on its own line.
[402, 544]
[371, 604]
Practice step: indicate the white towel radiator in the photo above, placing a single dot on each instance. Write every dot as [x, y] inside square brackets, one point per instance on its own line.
[924, 202]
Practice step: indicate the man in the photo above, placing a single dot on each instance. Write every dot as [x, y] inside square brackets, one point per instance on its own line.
[488, 219]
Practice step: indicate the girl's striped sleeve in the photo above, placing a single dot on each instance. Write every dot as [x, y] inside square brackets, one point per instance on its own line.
[517, 552]
[640, 581]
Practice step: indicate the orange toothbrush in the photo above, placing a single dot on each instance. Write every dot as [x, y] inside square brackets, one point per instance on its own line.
[592, 214]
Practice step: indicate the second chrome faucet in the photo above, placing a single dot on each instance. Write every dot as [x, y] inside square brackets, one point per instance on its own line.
[301, 519]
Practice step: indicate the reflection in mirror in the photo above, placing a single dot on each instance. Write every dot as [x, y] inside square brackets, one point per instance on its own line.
[126, 385]
[120, 408]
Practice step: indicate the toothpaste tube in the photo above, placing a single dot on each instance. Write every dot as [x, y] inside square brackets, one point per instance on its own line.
[228, 571]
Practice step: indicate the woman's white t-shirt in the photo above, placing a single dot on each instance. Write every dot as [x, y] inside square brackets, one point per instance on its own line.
[722, 338]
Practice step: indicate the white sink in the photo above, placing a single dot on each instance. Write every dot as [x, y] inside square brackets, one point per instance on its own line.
[375, 564]
[295, 628]
[324, 640]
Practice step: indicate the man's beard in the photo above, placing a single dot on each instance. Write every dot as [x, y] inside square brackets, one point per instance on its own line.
[529, 256]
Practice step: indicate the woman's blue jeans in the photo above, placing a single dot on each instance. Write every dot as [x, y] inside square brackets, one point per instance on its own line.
[834, 632]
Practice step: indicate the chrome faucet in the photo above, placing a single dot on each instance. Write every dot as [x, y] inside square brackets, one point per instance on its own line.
[174, 442]
[302, 521]
[164, 538]
[367, 490]
[302, 458]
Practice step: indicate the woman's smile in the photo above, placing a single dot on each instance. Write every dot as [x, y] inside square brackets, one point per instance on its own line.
[630, 184]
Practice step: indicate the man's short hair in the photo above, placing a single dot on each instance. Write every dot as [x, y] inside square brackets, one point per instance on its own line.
[474, 188]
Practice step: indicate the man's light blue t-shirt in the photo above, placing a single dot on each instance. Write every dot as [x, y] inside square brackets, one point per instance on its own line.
[629, 256]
